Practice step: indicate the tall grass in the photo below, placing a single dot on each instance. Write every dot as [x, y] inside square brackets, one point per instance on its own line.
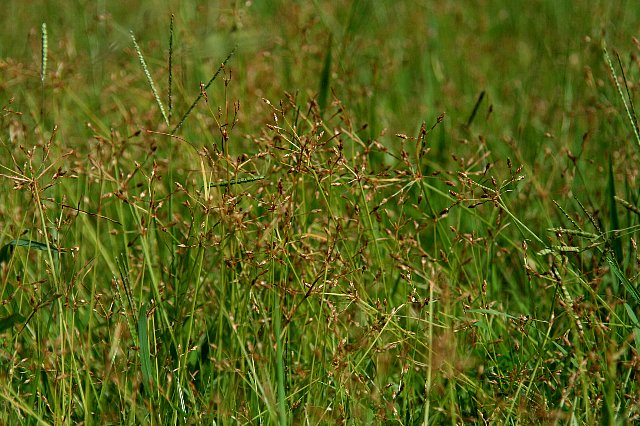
[361, 216]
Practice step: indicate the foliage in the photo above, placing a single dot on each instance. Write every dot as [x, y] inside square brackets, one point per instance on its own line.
[319, 212]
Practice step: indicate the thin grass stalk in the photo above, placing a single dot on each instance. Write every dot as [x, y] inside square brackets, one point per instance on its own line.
[282, 404]
[475, 109]
[149, 78]
[616, 243]
[202, 91]
[55, 270]
[631, 117]
[14, 400]
[155, 285]
[428, 381]
[43, 66]
[198, 267]
[634, 117]
[170, 82]
[237, 181]
[171, 207]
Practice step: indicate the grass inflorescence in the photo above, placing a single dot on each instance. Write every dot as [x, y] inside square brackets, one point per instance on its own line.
[361, 216]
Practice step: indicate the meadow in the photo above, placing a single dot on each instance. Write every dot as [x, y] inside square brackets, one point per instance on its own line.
[322, 212]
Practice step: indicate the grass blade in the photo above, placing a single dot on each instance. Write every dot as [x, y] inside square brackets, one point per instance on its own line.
[7, 249]
[10, 320]
[629, 286]
[636, 324]
[143, 343]
[616, 244]
[325, 78]
[475, 109]
[277, 330]
[236, 181]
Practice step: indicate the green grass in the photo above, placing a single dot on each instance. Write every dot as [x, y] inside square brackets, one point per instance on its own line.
[319, 213]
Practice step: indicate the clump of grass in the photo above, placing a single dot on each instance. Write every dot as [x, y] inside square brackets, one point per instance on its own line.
[291, 265]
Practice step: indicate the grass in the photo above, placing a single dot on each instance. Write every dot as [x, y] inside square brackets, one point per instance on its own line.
[319, 213]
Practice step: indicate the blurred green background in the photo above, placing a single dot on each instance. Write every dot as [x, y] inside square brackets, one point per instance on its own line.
[394, 63]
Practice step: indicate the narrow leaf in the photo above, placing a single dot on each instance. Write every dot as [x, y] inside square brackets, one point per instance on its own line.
[5, 253]
[629, 286]
[475, 109]
[10, 320]
[236, 181]
[7, 250]
[616, 244]
[491, 312]
[143, 343]
[325, 78]
[636, 325]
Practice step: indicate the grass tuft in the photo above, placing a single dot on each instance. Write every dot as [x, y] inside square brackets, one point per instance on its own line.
[397, 223]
